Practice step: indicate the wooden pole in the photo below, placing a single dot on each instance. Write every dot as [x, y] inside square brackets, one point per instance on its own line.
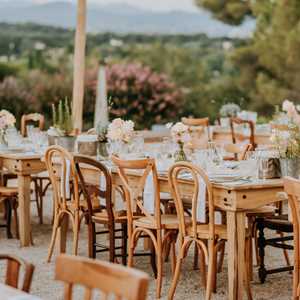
[79, 65]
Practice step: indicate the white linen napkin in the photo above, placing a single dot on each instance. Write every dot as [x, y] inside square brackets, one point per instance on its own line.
[24, 297]
[65, 182]
[201, 203]
[149, 202]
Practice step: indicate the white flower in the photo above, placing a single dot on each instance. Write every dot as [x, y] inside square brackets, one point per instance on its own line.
[169, 125]
[6, 119]
[180, 133]
[120, 130]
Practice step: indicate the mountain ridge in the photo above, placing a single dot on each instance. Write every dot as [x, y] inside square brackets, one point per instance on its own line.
[121, 18]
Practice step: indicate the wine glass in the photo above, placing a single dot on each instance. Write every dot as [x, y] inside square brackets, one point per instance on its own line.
[264, 166]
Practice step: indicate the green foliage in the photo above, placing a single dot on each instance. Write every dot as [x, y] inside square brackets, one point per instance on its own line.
[62, 117]
[229, 11]
[269, 65]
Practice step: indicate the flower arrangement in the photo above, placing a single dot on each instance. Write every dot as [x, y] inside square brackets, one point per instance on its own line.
[120, 131]
[7, 120]
[181, 134]
[229, 110]
[287, 142]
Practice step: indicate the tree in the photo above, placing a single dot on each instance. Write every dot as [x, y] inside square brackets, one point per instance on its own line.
[269, 65]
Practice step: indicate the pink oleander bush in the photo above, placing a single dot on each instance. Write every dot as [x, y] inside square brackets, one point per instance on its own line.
[144, 96]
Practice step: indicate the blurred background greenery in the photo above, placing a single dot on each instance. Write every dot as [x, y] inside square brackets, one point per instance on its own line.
[199, 73]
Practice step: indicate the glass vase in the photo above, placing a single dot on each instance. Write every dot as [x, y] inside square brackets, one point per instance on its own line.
[3, 143]
[180, 154]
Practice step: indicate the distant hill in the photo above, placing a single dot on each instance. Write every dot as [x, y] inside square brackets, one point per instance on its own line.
[120, 18]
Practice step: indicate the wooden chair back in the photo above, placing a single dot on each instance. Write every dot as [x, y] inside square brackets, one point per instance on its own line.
[292, 189]
[14, 265]
[63, 176]
[110, 279]
[133, 192]
[238, 151]
[196, 174]
[241, 137]
[90, 190]
[197, 124]
[30, 118]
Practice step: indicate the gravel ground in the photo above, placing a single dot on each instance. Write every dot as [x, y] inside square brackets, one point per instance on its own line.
[278, 286]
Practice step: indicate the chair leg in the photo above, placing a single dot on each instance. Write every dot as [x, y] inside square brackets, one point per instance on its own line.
[153, 260]
[16, 221]
[53, 238]
[159, 260]
[76, 228]
[262, 273]
[7, 204]
[211, 270]
[176, 274]
[124, 244]
[202, 267]
[91, 239]
[112, 242]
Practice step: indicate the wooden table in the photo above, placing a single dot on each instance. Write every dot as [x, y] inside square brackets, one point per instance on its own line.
[235, 200]
[8, 293]
[23, 165]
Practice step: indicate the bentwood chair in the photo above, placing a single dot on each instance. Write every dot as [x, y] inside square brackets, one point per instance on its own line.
[98, 276]
[14, 265]
[208, 236]
[41, 181]
[292, 189]
[237, 151]
[161, 228]
[198, 126]
[63, 175]
[101, 210]
[240, 137]
[9, 197]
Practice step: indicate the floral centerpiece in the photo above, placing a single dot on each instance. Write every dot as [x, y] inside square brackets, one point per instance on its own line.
[120, 133]
[287, 141]
[7, 120]
[227, 111]
[181, 134]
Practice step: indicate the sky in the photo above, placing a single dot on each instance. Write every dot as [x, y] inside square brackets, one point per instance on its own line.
[160, 5]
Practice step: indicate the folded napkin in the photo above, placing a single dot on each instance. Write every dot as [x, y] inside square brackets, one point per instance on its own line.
[65, 182]
[25, 297]
[149, 198]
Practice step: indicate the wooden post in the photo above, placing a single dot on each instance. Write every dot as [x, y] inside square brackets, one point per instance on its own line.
[79, 64]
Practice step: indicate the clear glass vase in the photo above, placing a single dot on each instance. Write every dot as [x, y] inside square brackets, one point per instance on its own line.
[180, 154]
[3, 143]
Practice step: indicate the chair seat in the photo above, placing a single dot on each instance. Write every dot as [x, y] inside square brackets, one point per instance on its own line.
[43, 175]
[102, 217]
[167, 222]
[8, 191]
[203, 231]
[262, 211]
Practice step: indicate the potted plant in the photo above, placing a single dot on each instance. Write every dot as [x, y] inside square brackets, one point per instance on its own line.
[228, 111]
[287, 142]
[62, 131]
[181, 134]
[7, 120]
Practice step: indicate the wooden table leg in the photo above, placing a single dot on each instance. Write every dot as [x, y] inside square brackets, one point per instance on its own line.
[232, 256]
[24, 210]
[63, 230]
[241, 235]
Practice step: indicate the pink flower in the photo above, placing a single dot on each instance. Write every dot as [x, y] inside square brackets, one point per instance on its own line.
[289, 108]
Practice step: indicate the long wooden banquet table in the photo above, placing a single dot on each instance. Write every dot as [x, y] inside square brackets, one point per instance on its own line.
[234, 199]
